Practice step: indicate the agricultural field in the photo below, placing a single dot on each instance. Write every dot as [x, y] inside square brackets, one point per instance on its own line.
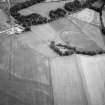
[31, 73]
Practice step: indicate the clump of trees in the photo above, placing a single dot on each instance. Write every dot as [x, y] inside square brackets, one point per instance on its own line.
[69, 7]
[27, 21]
[57, 13]
[69, 50]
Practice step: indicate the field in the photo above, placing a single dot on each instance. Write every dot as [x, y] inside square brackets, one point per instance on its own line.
[32, 74]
